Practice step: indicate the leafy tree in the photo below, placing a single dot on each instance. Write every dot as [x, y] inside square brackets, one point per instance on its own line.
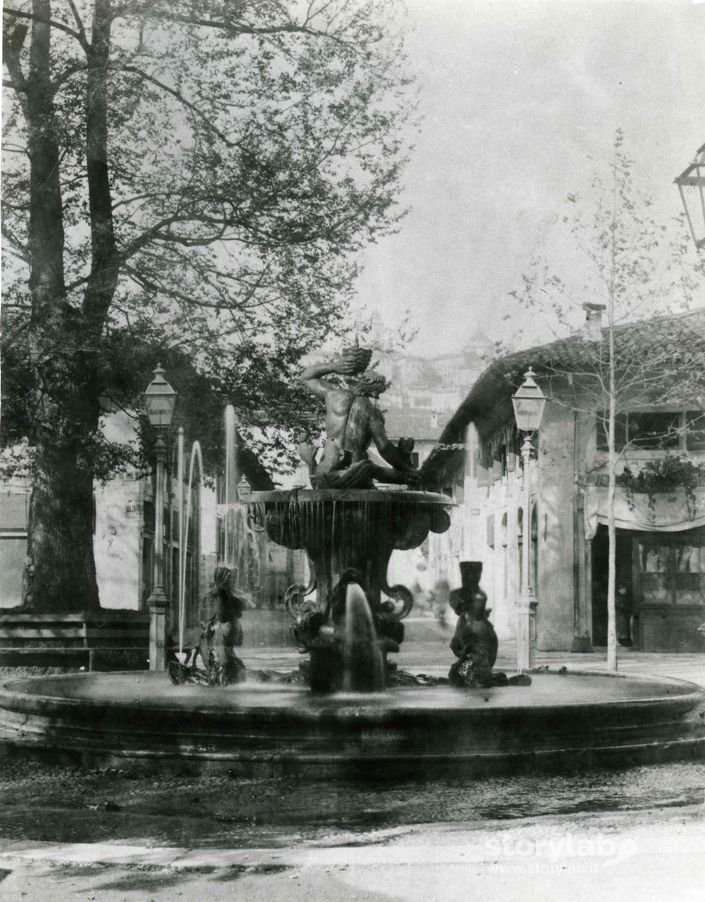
[637, 268]
[197, 176]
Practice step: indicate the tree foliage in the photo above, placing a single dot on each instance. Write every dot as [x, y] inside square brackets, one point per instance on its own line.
[192, 176]
[250, 152]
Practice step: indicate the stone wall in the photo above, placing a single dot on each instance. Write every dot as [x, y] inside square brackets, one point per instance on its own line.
[117, 543]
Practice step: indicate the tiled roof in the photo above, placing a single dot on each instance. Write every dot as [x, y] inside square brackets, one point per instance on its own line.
[413, 423]
[673, 343]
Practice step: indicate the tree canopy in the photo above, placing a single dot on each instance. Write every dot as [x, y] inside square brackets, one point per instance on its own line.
[198, 176]
[251, 149]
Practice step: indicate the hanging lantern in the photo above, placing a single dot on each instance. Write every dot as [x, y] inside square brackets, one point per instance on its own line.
[159, 400]
[529, 402]
[691, 183]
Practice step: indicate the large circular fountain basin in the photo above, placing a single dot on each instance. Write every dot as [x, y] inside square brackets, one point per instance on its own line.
[561, 720]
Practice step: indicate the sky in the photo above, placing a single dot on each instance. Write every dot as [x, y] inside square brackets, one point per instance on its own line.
[520, 102]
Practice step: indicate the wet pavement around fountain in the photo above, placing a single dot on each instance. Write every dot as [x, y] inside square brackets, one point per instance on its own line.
[107, 834]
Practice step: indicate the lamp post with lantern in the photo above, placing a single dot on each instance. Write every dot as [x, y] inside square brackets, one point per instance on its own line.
[529, 402]
[159, 402]
[691, 185]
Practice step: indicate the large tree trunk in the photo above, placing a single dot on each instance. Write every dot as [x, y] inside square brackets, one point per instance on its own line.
[65, 341]
[60, 547]
[60, 567]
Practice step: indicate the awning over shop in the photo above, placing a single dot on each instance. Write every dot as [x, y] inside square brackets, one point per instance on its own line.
[660, 513]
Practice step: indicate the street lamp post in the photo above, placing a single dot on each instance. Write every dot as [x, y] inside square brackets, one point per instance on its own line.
[159, 403]
[244, 489]
[529, 402]
[691, 185]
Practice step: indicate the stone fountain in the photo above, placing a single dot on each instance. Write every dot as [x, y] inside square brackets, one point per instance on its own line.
[349, 523]
[357, 720]
[348, 535]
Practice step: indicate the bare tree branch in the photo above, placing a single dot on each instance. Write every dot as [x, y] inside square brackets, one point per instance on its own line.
[205, 119]
[53, 23]
[79, 24]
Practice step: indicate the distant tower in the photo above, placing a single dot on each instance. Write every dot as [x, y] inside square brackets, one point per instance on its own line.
[377, 332]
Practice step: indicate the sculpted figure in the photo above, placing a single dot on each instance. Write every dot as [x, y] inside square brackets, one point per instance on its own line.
[475, 640]
[222, 633]
[353, 423]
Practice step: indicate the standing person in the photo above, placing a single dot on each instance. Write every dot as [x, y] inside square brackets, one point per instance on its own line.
[420, 600]
[623, 614]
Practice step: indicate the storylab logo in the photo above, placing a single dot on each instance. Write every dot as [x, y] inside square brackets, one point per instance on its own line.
[589, 852]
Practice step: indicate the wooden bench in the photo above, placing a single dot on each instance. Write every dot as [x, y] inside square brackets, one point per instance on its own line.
[72, 639]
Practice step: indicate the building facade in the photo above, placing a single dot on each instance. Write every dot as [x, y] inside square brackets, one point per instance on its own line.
[124, 539]
[659, 506]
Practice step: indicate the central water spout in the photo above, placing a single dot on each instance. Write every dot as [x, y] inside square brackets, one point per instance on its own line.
[363, 663]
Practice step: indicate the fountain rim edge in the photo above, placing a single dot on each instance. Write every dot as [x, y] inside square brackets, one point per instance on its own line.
[25, 699]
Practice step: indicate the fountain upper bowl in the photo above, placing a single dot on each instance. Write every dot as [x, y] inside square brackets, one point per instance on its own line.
[366, 496]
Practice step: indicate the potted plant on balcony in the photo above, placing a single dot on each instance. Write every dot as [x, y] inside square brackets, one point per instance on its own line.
[662, 476]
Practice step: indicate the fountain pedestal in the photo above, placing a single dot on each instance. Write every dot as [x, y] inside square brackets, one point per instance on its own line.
[357, 529]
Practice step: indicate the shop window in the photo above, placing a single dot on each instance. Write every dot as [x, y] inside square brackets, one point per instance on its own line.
[505, 554]
[520, 547]
[648, 430]
[490, 530]
[147, 574]
[620, 431]
[503, 459]
[148, 516]
[482, 475]
[671, 569]
[174, 581]
[655, 430]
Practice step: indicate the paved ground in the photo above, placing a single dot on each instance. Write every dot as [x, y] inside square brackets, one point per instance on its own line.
[428, 651]
[106, 835]
[615, 857]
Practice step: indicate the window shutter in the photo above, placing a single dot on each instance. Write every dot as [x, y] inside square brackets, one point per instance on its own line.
[490, 530]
